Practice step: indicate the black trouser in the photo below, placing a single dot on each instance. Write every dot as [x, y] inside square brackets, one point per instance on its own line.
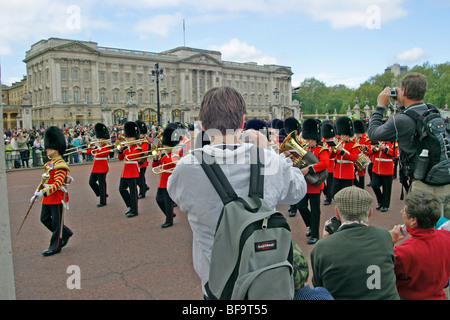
[165, 203]
[382, 181]
[97, 181]
[52, 219]
[339, 184]
[311, 217]
[359, 181]
[328, 188]
[142, 181]
[128, 191]
[24, 157]
[369, 171]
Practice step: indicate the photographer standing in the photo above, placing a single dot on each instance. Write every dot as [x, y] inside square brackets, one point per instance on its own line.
[402, 128]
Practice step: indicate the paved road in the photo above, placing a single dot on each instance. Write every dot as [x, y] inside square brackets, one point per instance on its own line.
[119, 257]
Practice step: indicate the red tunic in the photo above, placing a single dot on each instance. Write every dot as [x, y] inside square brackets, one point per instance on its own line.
[143, 162]
[131, 166]
[167, 162]
[384, 160]
[322, 154]
[364, 147]
[52, 193]
[100, 164]
[345, 163]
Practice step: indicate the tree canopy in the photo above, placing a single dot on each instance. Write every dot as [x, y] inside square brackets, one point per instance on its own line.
[315, 95]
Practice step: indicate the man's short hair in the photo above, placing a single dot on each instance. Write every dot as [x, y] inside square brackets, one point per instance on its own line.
[415, 85]
[222, 108]
[353, 204]
[424, 207]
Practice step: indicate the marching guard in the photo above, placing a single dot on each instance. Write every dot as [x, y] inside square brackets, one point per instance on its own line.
[100, 167]
[143, 163]
[129, 151]
[311, 216]
[328, 134]
[53, 195]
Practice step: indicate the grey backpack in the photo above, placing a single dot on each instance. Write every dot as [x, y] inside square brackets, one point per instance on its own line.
[252, 255]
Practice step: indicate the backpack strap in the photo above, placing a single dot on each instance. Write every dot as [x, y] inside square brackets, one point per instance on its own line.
[216, 176]
[256, 177]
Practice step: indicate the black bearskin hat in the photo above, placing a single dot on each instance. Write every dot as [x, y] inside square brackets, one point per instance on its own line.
[274, 123]
[311, 129]
[291, 124]
[101, 131]
[142, 126]
[54, 139]
[257, 124]
[131, 130]
[328, 131]
[344, 125]
[360, 126]
[171, 136]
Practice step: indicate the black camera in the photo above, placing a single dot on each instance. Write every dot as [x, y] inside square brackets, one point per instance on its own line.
[333, 225]
[393, 93]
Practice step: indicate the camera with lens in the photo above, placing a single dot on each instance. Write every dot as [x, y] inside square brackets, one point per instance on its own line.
[333, 225]
[393, 93]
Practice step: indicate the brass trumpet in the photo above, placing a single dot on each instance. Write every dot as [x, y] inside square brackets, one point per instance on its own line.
[121, 142]
[153, 152]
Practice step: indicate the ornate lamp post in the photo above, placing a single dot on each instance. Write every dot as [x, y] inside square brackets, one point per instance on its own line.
[156, 75]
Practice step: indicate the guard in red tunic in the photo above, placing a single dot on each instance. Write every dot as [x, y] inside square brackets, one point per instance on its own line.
[311, 215]
[364, 145]
[129, 152]
[100, 167]
[166, 162]
[382, 172]
[346, 154]
[143, 163]
[328, 134]
[54, 196]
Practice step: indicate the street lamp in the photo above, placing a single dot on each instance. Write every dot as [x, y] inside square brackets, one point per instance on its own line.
[156, 75]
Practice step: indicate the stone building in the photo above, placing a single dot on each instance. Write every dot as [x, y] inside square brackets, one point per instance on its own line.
[72, 82]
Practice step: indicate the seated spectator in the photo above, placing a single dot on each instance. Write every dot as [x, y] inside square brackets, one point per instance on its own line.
[422, 261]
[357, 260]
[301, 272]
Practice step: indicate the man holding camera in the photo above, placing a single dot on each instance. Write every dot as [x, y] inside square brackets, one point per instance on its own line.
[402, 128]
[357, 260]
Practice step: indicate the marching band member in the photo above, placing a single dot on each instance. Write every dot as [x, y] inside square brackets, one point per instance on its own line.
[170, 138]
[382, 172]
[130, 173]
[97, 179]
[311, 216]
[143, 163]
[54, 196]
[363, 140]
[291, 124]
[346, 153]
[328, 134]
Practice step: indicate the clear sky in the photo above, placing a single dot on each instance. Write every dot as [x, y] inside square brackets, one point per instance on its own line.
[335, 41]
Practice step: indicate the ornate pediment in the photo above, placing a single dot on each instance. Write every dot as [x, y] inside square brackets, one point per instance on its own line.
[202, 58]
[75, 46]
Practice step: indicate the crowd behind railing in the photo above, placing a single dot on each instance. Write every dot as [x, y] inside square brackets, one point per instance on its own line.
[24, 148]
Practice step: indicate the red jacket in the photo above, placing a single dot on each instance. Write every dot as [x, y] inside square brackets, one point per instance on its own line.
[364, 147]
[321, 153]
[131, 166]
[52, 193]
[143, 162]
[384, 160]
[422, 264]
[344, 168]
[167, 160]
[331, 157]
[100, 164]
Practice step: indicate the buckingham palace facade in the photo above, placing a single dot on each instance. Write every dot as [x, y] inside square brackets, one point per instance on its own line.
[78, 82]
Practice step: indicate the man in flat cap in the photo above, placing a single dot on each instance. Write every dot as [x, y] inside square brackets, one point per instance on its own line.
[357, 260]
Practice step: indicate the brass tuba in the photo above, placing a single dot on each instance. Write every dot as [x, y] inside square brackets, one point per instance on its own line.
[304, 158]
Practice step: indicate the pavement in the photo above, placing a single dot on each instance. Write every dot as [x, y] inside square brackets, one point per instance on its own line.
[112, 257]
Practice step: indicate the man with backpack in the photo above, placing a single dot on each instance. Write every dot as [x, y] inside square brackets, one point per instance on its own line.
[418, 128]
[222, 113]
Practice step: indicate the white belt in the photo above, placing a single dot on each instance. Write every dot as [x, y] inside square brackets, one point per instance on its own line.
[344, 161]
[134, 162]
[382, 159]
[100, 158]
[131, 162]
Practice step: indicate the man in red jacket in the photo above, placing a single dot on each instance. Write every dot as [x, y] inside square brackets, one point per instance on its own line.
[422, 261]
[382, 172]
[311, 217]
[346, 153]
[166, 162]
[130, 173]
[97, 179]
[53, 194]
